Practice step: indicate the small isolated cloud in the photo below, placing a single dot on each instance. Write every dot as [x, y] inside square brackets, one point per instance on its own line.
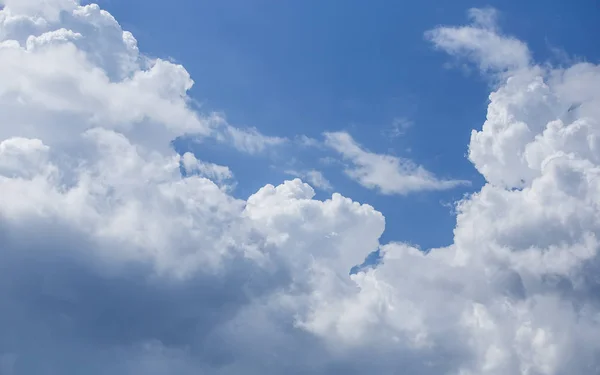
[399, 127]
[248, 140]
[314, 177]
[386, 173]
[482, 43]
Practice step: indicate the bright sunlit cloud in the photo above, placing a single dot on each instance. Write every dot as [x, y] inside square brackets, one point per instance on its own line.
[121, 256]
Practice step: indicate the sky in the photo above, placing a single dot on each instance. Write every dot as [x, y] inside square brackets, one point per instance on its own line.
[189, 187]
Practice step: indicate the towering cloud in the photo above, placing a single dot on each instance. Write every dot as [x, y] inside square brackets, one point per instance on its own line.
[113, 261]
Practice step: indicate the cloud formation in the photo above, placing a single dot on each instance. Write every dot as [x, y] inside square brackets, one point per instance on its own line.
[314, 177]
[482, 43]
[387, 173]
[115, 262]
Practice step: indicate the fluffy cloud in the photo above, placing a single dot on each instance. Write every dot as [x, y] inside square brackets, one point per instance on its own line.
[114, 261]
[389, 174]
[63, 69]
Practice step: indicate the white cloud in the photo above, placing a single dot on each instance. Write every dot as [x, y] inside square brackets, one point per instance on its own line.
[305, 141]
[484, 17]
[249, 140]
[219, 174]
[314, 177]
[105, 245]
[65, 70]
[41, 10]
[389, 174]
[482, 43]
[112, 262]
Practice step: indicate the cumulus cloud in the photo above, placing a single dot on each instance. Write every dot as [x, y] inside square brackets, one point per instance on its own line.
[113, 261]
[64, 69]
[386, 173]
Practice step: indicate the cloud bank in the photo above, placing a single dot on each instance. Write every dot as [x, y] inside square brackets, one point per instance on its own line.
[113, 261]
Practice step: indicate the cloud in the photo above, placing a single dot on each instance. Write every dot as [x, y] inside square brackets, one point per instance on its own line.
[219, 174]
[49, 10]
[112, 260]
[64, 70]
[482, 43]
[314, 177]
[305, 141]
[115, 262]
[250, 140]
[399, 127]
[389, 174]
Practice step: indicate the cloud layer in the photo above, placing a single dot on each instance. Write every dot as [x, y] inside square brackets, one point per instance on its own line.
[113, 261]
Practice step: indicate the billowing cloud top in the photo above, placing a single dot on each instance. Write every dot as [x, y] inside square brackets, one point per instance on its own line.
[114, 261]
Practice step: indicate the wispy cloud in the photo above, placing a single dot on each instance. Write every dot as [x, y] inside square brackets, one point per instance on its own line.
[251, 140]
[248, 140]
[399, 127]
[219, 174]
[306, 141]
[387, 173]
[482, 43]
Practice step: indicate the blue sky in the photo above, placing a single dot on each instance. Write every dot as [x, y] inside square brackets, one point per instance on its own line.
[291, 68]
